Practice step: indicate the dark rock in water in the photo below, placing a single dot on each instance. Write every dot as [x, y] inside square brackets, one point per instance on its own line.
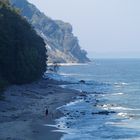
[87, 101]
[82, 81]
[84, 92]
[95, 104]
[96, 100]
[83, 95]
[103, 112]
[74, 98]
[112, 112]
[68, 113]
[50, 92]
[77, 116]
[83, 113]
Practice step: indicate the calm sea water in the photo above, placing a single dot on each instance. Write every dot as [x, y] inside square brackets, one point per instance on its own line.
[117, 83]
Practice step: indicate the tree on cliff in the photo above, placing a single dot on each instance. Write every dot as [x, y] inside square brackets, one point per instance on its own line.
[22, 51]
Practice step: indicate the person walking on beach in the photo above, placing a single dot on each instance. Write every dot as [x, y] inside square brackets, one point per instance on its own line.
[47, 111]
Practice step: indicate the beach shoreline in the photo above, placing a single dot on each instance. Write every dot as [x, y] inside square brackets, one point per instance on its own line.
[22, 112]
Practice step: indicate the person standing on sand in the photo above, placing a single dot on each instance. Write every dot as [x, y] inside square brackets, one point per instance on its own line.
[47, 111]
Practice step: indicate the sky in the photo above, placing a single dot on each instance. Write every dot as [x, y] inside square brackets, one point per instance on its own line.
[105, 28]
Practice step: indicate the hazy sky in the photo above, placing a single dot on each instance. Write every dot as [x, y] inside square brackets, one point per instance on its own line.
[105, 28]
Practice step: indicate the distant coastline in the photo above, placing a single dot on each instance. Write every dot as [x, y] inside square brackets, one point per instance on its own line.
[68, 64]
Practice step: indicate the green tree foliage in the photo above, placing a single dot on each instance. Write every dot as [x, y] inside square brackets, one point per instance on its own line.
[22, 51]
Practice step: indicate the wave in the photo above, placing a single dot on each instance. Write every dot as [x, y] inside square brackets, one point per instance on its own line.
[71, 104]
[120, 84]
[116, 123]
[74, 74]
[50, 125]
[123, 108]
[130, 116]
[70, 74]
[122, 114]
[120, 93]
[113, 107]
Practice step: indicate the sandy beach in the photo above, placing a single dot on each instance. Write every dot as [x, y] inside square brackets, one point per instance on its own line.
[22, 110]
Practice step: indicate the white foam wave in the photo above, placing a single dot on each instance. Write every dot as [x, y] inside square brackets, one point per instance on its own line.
[118, 84]
[123, 108]
[74, 74]
[120, 93]
[122, 114]
[116, 123]
[63, 86]
[130, 116]
[50, 125]
[69, 74]
[124, 83]
[71, 103]
[113, 107]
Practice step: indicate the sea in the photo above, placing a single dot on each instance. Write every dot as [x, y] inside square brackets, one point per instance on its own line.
[109, 105]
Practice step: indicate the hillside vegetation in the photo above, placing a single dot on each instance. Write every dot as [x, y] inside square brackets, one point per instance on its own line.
[22, 51]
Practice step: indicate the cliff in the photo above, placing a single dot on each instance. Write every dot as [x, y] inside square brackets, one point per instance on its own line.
[61, 44]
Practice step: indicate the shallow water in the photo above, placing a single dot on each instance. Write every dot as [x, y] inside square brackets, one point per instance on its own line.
[112, 108]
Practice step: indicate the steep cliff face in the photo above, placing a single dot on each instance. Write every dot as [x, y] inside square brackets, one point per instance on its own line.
[61, 44]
